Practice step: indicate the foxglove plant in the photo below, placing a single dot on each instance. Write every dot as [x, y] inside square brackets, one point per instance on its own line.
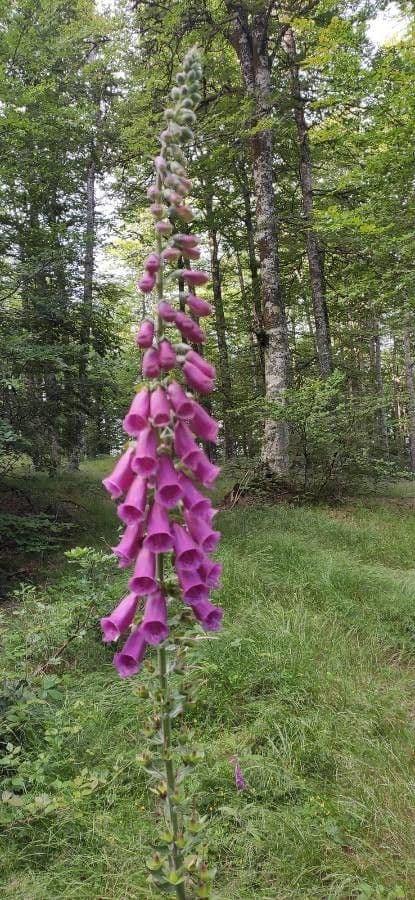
[169, 539]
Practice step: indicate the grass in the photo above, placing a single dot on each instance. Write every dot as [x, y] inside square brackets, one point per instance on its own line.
[311, 683]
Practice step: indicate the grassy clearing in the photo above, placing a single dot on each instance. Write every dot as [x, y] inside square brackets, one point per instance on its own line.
[311, 683]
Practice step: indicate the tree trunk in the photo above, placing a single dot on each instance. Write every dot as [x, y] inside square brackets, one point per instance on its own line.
[220, 328]
[314, 252]
[82, 388]
[381, 419]
[253, 267]
[250, 39]
[410, 387]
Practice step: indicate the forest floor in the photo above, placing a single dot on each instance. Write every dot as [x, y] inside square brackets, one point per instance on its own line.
[311, 684]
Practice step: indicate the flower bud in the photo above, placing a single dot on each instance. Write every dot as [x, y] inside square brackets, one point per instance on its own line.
[146, 283]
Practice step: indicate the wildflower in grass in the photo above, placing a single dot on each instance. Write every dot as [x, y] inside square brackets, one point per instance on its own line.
[161, 476]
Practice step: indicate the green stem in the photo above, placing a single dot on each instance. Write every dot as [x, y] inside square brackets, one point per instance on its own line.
[176, 859]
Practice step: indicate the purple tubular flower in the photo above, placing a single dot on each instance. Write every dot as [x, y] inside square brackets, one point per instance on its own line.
[203, 424]
[193, 253]
[186, 214]
[186, 240]
[145, 459]
[196, 379]
[181, 403]
[167, 356]
[195, 502]
[160, 411]
[145, 334]
[185, 445]
[166, 312]
[120, 618]
[171, 254]
[128, 661]
[202, 533]
[188, 555]
[157, 210]
[198, 306]
[129, 545]
[210, 573]
[209, 616]
[136, 419]
[194, 276]
[154, 625]
[192, 586]
[133, 508]
[143, 580]
[151, 364]
[197, 360]
[189, 329]
[153, 193]
[160, 164]
[119, 481]
[205, 471]
[240, 782]
[159, 538]
[164, 227]
[146, 283]
[169, 490]
[152, 263]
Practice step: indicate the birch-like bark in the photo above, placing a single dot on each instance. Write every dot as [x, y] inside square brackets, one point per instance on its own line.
[314, 251]
[410, 387]
[220, 328]
[249, 37]
[82, 398]
[381, 418]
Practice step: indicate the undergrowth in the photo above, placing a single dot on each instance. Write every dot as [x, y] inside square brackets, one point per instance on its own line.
[310, 684]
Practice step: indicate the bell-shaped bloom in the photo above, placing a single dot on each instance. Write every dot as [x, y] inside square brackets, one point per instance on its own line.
[193, 588]
[159, 538]
[169, 491]
[188, 555]
[146, 283]
[203, 424]
[143, 580]
[171, 254]
[152, 263]
[185, 213]
[202, 533]
[195, 502]
[194, 276]
[205, 471]
[185, 445]
[145, 334]
[129, 545]
[153, 193]
[181, 403]
[145, 459]
[167, 356]
[198, 306]
[186, 240]
[185, 183]
[197, 360]
[133, 508]
[136, 418]
[157, 210]
[189, 329]
[151, 364]
[213, 575]
[154, 625]
[166, 312]
[160, 410]
[121, 478]
[196, 379]
[209, 616]
[192, 253]
[128, 661]
[160, 163]
[120, 618]
[164, 227]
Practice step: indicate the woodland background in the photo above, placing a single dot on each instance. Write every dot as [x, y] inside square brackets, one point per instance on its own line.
[303, 172]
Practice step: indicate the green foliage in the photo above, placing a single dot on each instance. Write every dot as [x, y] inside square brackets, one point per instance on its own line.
[310, 684]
